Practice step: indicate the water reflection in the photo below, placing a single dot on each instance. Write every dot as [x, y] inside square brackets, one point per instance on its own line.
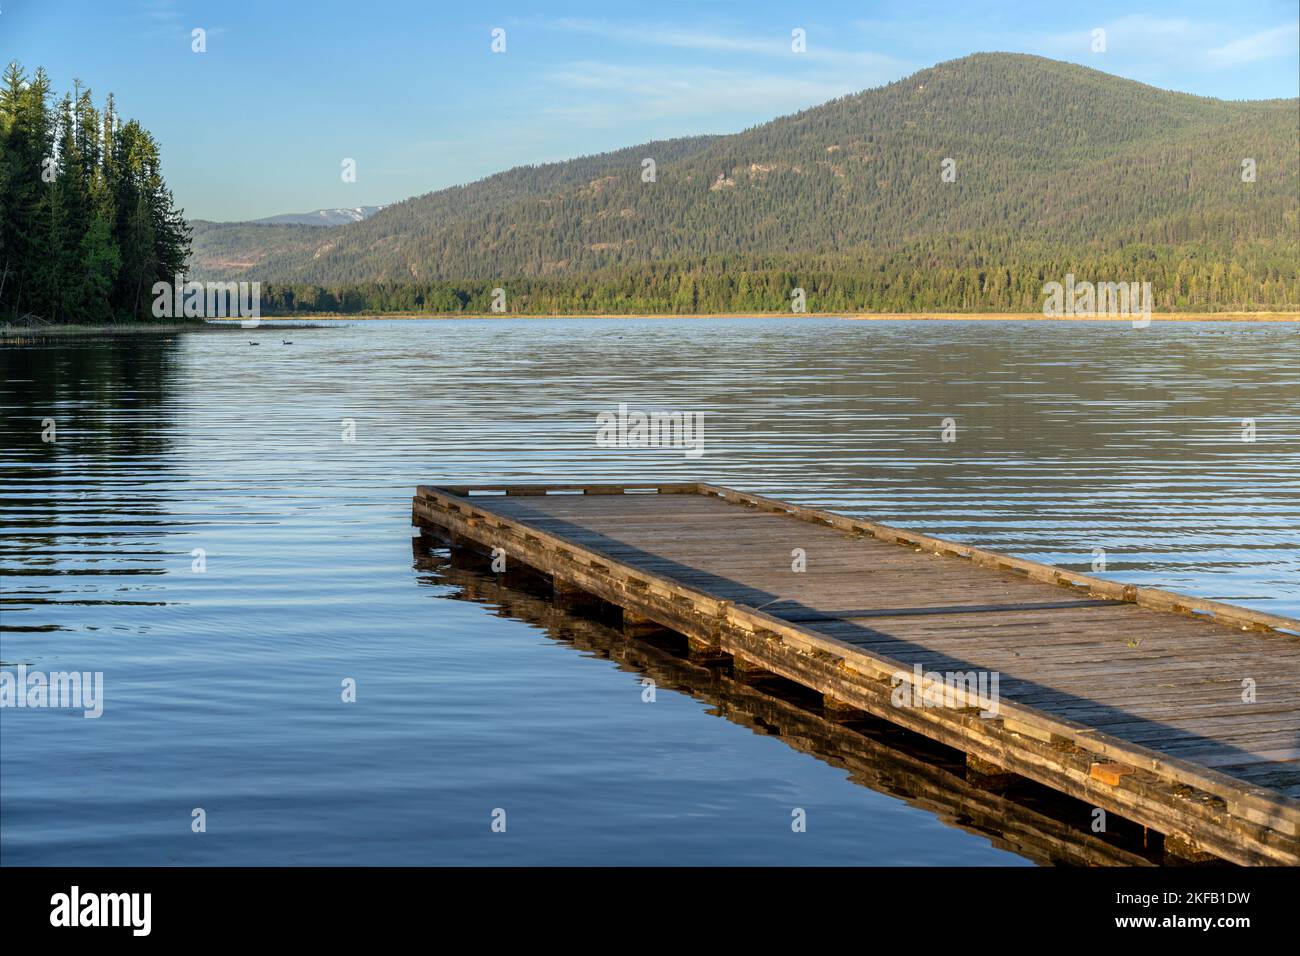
[222, 686]
[85, 424]
[1015, 814]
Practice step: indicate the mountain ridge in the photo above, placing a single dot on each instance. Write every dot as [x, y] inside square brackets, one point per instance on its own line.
[1046, 156]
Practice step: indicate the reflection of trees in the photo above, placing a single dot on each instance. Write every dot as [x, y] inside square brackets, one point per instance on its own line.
[109, 398]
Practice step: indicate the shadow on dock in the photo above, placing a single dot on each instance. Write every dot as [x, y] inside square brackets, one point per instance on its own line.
[1013, 813]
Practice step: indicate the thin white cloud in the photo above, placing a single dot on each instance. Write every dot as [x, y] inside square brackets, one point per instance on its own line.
[163, 21]
[164, 10]
[719, 39]
[1151, 48]
[664, 35]
[654, 92]
[1163, 42]
[1154, 37]
[1265, 45]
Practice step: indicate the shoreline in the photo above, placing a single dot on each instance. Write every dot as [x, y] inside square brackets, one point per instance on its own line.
[850, 316]
[11, 334]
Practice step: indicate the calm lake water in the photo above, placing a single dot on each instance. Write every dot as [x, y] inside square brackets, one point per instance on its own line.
[222, 688]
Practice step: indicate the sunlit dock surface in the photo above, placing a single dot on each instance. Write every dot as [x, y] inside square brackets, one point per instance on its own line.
[1165, 711]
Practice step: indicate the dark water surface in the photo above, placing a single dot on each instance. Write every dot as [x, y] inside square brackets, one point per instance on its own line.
[222, 688]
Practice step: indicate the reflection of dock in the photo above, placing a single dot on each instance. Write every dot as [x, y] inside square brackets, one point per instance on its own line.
[873, 753]
[1108, 695]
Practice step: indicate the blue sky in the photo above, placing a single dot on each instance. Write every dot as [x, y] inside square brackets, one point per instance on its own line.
[261, 122]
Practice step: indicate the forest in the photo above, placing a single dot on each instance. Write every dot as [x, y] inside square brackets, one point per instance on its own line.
[949, 275]
[89, 224]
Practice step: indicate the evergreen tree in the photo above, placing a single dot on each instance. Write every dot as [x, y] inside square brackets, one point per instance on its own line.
[88, 222]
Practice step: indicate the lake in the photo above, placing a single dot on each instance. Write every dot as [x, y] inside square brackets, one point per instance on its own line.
[224, 531]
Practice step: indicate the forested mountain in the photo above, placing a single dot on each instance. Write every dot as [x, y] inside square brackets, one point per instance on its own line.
[1058, 168]
[230, 248]
[88, 222]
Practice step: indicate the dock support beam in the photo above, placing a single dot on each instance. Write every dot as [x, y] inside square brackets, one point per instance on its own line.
[432, 535]
[1181, 853]
[747, 670]
[835, 709]
[987, 775]
[460, 542]
[638, 625]
[569, 597]
[704, 652]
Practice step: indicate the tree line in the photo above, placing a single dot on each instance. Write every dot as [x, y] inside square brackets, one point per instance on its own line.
[89, 224]
[953, 274]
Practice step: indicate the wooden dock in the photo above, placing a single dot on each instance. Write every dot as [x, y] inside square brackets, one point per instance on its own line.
[1007, 810]
[1176, 713]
